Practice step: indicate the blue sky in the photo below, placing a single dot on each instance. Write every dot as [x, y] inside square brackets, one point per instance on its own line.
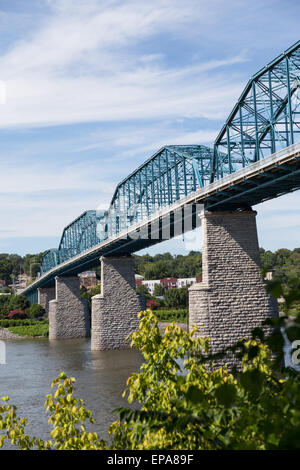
[95, 87]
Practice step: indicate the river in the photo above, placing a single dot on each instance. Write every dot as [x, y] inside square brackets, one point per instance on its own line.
[100, 378]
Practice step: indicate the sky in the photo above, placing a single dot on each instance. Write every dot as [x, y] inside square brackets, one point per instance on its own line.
[95, 87]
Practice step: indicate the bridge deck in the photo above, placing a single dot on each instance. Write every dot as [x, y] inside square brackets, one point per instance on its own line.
[266, 179]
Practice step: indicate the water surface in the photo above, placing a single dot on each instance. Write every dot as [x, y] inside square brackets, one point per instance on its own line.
[100, 378]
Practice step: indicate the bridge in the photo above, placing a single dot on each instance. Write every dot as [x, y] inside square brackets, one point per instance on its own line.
[255, 157]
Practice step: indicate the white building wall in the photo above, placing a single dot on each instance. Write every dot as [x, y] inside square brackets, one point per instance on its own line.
[181, 282]
[151, 284]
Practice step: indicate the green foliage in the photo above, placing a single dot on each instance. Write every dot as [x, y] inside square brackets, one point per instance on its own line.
[67, 416]
[166, 265]
[5, 304]
[158, 290]
[18, 302]
[174, 315]
[28, 327]
[36, 311]
[185, 404]
[176, 298]
[6, 323]
[284, 263]
[88, 294]
[180, 400]
[11, 265]
[31, 264]
[6, 290]
[32, 330]
[142, 289]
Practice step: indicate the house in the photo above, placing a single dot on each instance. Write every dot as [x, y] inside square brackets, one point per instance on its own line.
[151, 285]
[138, 279]
[169, 283]
[88, 279]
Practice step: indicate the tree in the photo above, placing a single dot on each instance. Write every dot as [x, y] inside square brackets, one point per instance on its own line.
[5, 290]
[36, 311]
[88, 294]
[5, 269]
[142, 289]
[176, 298]
[5, 304]
[31, 263]
[18, 302]
[180, 401]
[158, 290]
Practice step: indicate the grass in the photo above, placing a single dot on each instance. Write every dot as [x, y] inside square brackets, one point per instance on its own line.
[32, 328]
[176, 315]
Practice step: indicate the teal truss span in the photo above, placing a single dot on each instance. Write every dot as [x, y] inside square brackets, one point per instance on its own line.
[265, 120]
[172, 173]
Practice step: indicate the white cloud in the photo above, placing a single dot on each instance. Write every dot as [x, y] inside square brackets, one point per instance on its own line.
[104, 61]
[85, 64]
[145, 140]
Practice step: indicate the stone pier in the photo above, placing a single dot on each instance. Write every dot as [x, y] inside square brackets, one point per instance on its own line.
[45, 294]
[68, 313]
[114, 311]
[232, 299]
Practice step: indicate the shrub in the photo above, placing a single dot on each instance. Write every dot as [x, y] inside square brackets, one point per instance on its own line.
[36, 311]
[176, 297]
[142, 289]
[181, 402]
[88, 294]
[158, 290]
[5, 304]
[5, 290]
[33, 329]
[7, 323]
[18, 302]
[152, 304]
[178, 315]
[17, 314]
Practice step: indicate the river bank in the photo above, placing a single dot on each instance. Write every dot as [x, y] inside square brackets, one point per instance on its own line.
[18, 329]
[41, 330]
[5, 334]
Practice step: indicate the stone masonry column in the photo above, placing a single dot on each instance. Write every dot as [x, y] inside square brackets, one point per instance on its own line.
[45, 294]
[68, 313]
[232, 299]
[114, 311]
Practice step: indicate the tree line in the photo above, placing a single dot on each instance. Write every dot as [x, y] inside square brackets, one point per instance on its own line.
[12, 265]
[284, 263]
[167, 265]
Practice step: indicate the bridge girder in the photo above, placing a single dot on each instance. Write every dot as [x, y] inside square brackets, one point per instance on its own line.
[265, 119]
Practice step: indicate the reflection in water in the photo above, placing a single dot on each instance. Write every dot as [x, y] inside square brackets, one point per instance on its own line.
[100, 378]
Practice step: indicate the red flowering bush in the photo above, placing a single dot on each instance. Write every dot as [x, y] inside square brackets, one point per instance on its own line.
[152, 304]
[17, 314]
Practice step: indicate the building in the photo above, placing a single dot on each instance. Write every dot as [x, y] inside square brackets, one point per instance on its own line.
[151, 285]
[88, 279]
[269, 276]
[138, 279]
[167, 282]
[188, 281]
[20, 283]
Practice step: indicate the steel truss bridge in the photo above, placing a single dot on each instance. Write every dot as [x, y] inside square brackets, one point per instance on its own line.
[255, 157]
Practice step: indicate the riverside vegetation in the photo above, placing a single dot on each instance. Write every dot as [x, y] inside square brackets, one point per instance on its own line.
[180, 401]
[21, 318]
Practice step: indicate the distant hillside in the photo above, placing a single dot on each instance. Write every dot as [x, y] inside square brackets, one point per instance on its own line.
[284, 263]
